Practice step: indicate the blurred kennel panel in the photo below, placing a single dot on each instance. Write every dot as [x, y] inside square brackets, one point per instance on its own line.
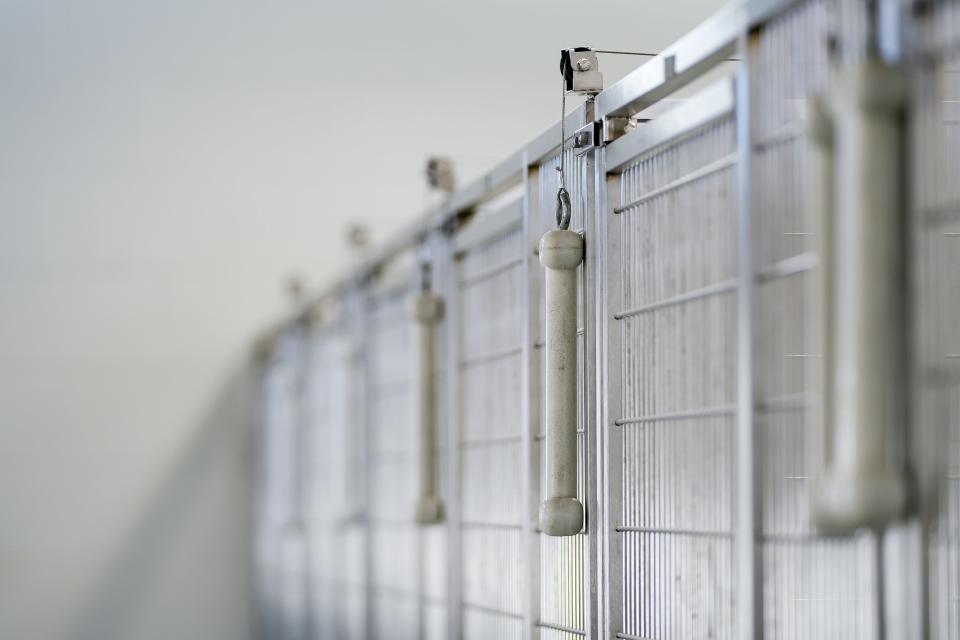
[280, 543]
[490, 431]
[934, 148]
[395, 551]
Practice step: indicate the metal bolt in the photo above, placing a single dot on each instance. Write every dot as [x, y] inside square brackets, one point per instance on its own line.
[584, 64]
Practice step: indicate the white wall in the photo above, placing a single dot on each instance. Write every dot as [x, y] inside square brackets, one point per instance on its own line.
[163, 167]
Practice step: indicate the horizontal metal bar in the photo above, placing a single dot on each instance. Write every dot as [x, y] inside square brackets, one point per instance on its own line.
[711, 42]
[393, 283]
[490, 272]
[786, 402]
[788, 267]
[559, 627]
[489, 525]
[542, 436]
[700, 533]
[787, 133]
[709, 412]
[488, 227]
[718, 288]
[707, 106]
[491, 441]
[689, 57]
[951, 111]
[800, 538]
[492, 610]
[490, 357]
[510, 172]
[699, 174]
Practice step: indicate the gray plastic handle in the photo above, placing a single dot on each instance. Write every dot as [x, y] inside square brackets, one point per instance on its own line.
[427, 310]
[561, 251]
[857, 142]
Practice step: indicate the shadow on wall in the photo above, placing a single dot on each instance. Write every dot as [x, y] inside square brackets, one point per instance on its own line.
[185, 569]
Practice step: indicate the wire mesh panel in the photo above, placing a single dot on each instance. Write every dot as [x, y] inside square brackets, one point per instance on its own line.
[935, 210]
[674, 315]
[394, 590]
[676, 272]
[280, 540]
[563, 609]
[319, 462]
[435, 552]
[332, 469]
[490, 439]
[813, 586]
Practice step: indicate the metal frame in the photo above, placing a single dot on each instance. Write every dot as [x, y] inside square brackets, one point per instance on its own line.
[678, 65]
[530, 406]
[454, 228]
[749, 575]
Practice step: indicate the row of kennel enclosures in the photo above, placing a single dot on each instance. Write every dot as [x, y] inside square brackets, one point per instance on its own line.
[699, 392]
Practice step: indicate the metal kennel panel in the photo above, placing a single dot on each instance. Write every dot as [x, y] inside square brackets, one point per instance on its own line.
[281, 543]
[332, 475]
[394, 542]
[671, 345]
[319, 478]
[436, 555]
[813, 586]
[492, 525]
[565, 611]
[934, 149]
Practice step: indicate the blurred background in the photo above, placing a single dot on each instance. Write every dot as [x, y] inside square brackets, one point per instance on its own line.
[165, 169]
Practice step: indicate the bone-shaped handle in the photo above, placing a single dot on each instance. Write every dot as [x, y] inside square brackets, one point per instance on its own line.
[561, 514]
[427, 310]
[857, 143]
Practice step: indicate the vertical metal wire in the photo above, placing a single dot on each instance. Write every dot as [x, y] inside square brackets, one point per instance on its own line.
[935, 225]
[814, 587]
[489, 438]
[677, 388]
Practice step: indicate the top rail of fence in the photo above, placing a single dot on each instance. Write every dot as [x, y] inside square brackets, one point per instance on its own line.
[700, 50]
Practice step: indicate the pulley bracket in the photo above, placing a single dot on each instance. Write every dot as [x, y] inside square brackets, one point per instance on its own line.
[581, 71]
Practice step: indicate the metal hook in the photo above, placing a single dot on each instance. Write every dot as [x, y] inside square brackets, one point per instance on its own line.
[563, 208]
